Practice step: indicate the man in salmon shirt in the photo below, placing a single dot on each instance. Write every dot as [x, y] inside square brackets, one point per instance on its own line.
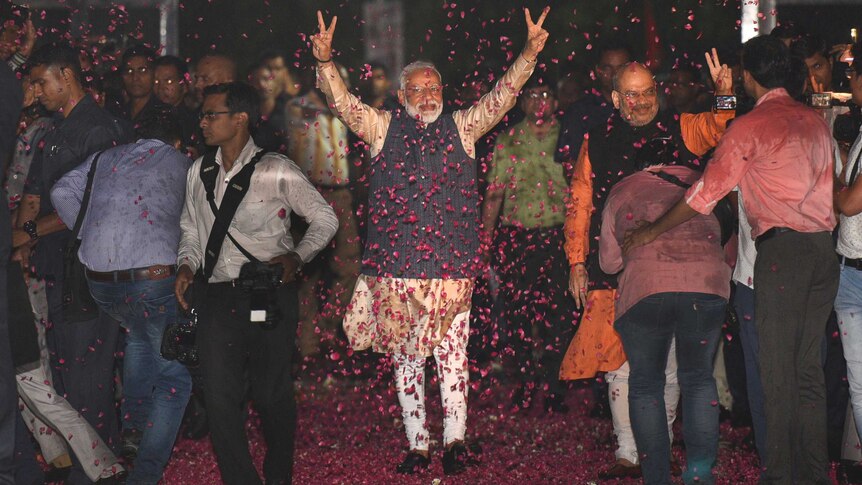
[607, 156]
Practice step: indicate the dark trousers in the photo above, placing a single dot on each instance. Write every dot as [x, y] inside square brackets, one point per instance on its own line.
[744, 302]
[533, 274]
[8, 395]
[795, 283]
[83, 358]
[234, 354]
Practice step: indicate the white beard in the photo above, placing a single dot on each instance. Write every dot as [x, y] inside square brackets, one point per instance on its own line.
[424, 117]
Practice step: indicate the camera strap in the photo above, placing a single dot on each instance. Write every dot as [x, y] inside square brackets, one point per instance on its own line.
[233, 195]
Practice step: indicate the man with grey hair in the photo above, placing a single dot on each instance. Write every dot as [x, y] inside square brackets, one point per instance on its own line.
[412, 298]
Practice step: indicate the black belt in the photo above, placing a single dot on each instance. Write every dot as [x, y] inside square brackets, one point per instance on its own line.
[771, 233]
[156, 272]
[853, 263]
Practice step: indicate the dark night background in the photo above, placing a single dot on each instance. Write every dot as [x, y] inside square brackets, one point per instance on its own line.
[467, 39]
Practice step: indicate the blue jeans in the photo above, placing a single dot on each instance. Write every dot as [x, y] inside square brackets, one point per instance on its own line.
[646, 330]
[155, 390]
[848, 306]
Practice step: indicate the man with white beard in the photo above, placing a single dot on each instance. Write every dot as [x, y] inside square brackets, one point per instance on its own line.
[412, 298]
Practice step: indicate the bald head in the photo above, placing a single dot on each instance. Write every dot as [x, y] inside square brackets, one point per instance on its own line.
[635, 94]
[631, 70]
[213, 69]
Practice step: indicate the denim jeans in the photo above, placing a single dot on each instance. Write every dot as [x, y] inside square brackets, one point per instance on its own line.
[848, 306]
[646, 330]
[155, 390]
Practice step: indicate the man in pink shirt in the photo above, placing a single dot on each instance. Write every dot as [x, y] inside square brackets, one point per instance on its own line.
[675, 287]
[780, 156]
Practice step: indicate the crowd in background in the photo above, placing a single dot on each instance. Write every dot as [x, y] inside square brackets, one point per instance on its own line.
[543, 309]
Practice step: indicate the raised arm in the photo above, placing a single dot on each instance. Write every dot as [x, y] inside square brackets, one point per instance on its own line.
[701, 131]
[368, 123]
[477, 120]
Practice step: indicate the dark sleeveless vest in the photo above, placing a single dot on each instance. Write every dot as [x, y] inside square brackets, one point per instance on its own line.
[423, 204]
[614, 149]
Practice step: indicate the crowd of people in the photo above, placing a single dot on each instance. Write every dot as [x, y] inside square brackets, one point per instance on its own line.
[621, 225]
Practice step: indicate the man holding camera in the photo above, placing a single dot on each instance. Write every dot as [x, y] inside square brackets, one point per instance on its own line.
[245, 289]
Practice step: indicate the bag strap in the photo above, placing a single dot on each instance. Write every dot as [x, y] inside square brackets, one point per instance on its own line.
[224, 214]
[85, 202]
[855, 170]
[671, 178]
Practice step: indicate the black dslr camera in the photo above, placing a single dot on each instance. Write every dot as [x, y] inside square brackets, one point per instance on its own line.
[260, 280]
[178, 341]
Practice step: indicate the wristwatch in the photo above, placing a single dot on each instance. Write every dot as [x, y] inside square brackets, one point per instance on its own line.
[30, 228]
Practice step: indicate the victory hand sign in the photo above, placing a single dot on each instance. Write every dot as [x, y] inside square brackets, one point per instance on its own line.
[722, 77]
[322, 40]
[536, 35]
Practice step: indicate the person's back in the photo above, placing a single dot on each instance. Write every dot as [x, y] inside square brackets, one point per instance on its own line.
[688, 258]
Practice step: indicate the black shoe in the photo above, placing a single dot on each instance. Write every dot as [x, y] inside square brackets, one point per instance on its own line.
[414, 463]
[457, 458]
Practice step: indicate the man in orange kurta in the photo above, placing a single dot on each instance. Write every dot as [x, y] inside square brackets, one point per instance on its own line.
[608, 154]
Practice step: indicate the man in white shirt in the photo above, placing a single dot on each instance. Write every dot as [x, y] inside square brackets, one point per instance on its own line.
[229, 342]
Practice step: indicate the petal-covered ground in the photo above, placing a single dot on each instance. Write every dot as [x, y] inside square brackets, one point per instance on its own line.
[350, 431]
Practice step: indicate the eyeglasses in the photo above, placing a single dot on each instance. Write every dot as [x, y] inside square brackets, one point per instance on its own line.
[542, 95]
[646, 93]
[434, 90]
[211, 115]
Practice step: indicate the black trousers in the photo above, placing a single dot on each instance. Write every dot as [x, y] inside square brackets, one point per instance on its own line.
[534, 277]
[83, 358]
[795, 283]
[235, 353]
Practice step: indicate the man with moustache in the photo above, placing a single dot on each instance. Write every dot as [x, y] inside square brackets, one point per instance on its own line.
[171, 87]
[413, 295]
[138, 81]
[526, 194]
[608, 154]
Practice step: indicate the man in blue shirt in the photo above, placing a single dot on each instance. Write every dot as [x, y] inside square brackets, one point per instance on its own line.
[129, 240]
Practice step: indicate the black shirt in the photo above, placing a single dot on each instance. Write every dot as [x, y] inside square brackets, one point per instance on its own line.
[71, 140]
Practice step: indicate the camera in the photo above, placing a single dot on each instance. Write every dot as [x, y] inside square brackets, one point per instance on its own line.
[724, 103]
[178, 341]
[819, 100]
[260, 280]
